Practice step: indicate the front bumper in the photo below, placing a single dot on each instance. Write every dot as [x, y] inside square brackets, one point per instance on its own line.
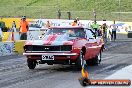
[55, 54]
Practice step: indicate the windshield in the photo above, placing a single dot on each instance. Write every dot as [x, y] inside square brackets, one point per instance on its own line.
[71, 32]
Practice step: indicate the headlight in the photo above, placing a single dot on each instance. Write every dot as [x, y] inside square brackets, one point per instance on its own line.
[28, 48]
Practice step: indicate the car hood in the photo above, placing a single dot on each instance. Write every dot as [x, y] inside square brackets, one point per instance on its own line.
[52, 40]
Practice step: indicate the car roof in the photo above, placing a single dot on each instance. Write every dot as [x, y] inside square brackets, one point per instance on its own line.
[66, 27]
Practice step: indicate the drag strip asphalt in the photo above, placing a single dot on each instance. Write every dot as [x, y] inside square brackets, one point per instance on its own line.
[14, 72]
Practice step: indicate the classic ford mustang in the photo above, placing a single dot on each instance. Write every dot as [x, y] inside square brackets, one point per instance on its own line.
[64, 45]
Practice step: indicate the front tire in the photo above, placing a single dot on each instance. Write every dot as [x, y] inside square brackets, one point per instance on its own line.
[31, 63]
[80, 60]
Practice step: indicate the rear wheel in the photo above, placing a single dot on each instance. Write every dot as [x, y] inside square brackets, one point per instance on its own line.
[97, 59]
[80, 60]
[31, 63]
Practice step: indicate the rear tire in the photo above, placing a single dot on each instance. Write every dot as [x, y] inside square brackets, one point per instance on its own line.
[31, 63]
[97, 59]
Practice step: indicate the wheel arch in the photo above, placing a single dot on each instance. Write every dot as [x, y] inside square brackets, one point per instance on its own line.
[102, 48]
[84, 50]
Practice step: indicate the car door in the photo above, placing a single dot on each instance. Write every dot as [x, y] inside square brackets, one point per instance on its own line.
[92, 45]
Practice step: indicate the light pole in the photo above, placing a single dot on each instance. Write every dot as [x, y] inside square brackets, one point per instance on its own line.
[94, 13]
[119, 9]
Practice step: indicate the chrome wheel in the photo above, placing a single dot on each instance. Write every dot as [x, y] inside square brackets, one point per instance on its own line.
[99, 58]
[80, 61]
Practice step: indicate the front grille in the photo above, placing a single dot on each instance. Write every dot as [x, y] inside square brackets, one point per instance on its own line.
[48, 48]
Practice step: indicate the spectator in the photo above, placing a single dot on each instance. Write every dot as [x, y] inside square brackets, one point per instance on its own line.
[100, 31]
[109, 33]
[13, 26]
[114, 28]
[3, 26]
[104, 32]
[48, 24]
[24, 27]
[74, 23]
[95, 27]
[78, 22]
[59, 14]
[0, 32]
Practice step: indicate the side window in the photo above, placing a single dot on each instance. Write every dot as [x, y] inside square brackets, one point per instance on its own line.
[89, 34]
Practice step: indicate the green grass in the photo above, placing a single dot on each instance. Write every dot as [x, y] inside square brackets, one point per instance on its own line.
[78, 8]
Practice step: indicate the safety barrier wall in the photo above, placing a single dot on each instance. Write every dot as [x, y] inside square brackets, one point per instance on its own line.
[31, 35]
[18, 46]
[6, 48]
[15, 36]
[9, 46]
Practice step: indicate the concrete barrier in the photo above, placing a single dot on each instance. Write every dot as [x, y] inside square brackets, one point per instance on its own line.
[6, 48]
[18, 46]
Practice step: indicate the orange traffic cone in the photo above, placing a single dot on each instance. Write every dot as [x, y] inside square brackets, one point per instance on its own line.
[84, 80]
[84, 73]
[12, 36]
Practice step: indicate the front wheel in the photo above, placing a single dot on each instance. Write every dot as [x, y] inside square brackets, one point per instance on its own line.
[80, 63]
[31, 63]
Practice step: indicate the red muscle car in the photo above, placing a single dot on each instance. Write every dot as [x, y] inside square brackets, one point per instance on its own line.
[64, 45]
